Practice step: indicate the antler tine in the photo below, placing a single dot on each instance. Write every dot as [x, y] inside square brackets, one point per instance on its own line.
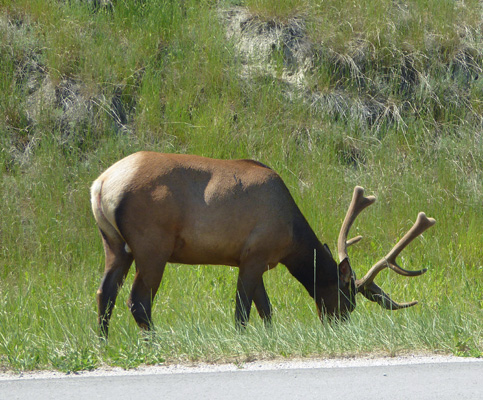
[389, 261]
[376, 294]
[358, 203]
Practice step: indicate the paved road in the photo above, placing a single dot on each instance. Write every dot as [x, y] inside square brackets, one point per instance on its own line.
[448, 380]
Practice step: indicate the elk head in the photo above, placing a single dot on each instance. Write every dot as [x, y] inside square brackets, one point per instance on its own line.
[348, 284]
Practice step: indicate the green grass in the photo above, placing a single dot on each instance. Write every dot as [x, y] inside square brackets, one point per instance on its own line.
[178, 79]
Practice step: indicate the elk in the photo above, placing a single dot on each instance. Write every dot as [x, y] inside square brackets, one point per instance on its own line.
[156, 208]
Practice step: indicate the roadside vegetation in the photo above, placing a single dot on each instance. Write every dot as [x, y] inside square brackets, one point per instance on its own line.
[331, 94]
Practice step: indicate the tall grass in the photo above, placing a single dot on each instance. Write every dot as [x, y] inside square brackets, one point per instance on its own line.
[178, 79]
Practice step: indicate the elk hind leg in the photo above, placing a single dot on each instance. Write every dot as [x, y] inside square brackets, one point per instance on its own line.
[145, 286]
[118, 262]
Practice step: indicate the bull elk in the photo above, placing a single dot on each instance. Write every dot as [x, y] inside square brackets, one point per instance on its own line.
[157, 208]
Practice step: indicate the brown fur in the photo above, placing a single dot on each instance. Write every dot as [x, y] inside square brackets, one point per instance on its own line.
[159, 208]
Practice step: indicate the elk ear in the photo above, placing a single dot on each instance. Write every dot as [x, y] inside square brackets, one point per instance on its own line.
[328, 250]
[345, 271]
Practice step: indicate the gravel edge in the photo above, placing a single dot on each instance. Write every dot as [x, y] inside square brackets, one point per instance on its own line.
[244, 366]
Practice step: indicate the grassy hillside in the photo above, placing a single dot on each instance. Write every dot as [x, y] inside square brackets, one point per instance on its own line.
[332, 94]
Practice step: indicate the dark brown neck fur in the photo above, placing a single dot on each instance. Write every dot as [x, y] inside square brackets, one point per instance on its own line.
[301, 263]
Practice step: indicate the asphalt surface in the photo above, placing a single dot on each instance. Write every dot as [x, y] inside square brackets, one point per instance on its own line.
[446, 380]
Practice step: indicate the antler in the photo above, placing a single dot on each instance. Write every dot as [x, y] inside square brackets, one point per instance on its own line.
[358, 203]
[366, 285]
[373, 292]
[389, 261]
[376, 294]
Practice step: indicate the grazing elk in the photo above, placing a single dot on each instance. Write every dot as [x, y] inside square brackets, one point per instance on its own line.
[157, 208]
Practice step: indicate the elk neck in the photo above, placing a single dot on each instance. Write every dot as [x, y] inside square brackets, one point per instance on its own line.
[310, 262]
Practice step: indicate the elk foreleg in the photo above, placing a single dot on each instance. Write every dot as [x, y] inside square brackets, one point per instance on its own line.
[250, 288]
[245, 289]
[262, 302]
